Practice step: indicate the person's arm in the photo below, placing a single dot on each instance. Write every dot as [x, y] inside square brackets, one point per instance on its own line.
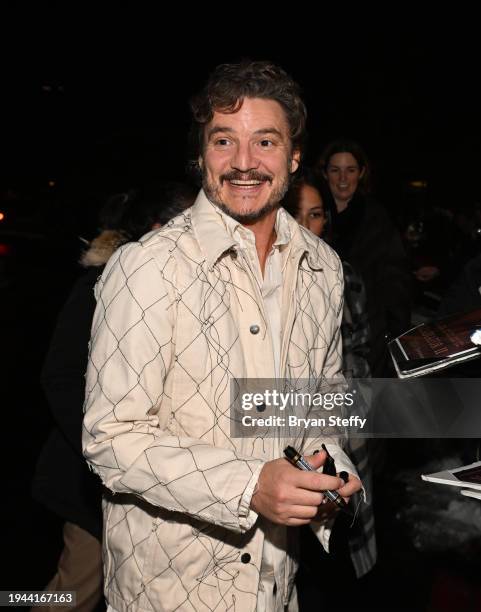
[126, 433]
[63, 373]
[332, 370]
[355, 326]
[396, 284]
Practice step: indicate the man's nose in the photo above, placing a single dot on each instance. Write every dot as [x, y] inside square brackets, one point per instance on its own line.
[244, 158]
[343, 175]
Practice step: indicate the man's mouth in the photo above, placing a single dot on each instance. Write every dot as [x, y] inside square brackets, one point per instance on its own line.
[239, 183]
[248, 182]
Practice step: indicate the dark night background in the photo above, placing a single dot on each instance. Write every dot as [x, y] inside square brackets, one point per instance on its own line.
[95, 100]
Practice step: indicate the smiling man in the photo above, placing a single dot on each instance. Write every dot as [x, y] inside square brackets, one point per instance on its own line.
[248, 159]
[233, 288]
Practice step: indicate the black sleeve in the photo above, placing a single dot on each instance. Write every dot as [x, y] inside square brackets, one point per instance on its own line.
[465, 292]
[63, 374]
[397, 284]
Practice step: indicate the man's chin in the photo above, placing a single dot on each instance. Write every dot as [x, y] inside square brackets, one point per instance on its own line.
[245, 210]
[247, 215]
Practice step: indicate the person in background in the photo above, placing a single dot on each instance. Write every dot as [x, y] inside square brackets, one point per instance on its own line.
[364, 236]
[306, 201]
[63, 482]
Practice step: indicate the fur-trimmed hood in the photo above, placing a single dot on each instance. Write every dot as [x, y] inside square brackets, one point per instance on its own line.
[102, 247]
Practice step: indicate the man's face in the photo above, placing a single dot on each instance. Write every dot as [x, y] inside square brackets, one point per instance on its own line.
[247, 159]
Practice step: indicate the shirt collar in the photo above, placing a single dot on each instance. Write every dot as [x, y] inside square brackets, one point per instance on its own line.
[217, 232]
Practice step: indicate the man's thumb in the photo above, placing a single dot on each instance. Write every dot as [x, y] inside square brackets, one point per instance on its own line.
[316, 460]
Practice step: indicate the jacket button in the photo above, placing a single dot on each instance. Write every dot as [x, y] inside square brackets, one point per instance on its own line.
[245, 558]
[254, 329]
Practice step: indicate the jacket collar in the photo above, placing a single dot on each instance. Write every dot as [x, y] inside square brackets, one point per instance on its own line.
[307, 245]
[214, 232]
[210, 230]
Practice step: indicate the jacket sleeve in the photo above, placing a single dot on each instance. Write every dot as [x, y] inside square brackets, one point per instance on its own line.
[126, 437]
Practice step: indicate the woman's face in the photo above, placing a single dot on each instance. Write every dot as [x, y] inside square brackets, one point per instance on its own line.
[343, 175]
[310, 212]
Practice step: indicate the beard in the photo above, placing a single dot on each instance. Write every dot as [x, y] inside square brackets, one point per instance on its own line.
[213, 193]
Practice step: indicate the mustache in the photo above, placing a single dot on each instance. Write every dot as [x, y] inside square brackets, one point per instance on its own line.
[252, 175]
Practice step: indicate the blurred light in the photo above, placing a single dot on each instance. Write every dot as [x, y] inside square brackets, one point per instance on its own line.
[2, 216]
[49, 88]
[51, 183]
[4, 249]
[418, 184]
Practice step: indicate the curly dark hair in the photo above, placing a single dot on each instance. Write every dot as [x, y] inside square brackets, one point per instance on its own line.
[229, 84]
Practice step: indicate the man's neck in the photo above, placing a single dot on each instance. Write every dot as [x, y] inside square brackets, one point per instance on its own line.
[265, 235]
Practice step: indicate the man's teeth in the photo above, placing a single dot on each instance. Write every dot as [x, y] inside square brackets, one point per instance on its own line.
[245, 183]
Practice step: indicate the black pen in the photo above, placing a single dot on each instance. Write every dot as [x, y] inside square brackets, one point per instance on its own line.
[299, 462]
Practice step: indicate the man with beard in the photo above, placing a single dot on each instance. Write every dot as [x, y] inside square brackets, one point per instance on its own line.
[231, 289]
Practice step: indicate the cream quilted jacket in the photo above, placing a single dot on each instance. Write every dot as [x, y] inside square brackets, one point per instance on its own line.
[172, 328]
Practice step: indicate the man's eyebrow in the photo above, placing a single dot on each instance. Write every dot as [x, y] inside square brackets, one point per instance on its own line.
[224, 129]
[218, 128]
[269, 130]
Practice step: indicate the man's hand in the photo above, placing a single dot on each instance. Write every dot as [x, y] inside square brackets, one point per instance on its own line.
[289, 496]
[329, 509]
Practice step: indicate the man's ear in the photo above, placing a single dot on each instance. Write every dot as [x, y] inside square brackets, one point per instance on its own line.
[362, 173]
[200, 161]
[295, 160]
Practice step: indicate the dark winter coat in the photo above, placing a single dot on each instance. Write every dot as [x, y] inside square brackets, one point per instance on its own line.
[63, 482]
[365, 237]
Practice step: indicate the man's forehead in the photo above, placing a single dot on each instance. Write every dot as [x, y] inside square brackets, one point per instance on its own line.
[253, 113]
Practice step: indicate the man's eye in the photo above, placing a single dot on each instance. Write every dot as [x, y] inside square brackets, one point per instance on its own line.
[266, 143]
[316, 215]
[223, 142]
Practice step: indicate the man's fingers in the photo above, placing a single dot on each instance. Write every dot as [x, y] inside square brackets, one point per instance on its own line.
[352, 486]
[306, 513]
[304, 497]
[317, 460]
[315, 481]
[293, 522]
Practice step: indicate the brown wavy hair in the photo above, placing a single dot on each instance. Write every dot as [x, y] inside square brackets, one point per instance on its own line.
[229, 84]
